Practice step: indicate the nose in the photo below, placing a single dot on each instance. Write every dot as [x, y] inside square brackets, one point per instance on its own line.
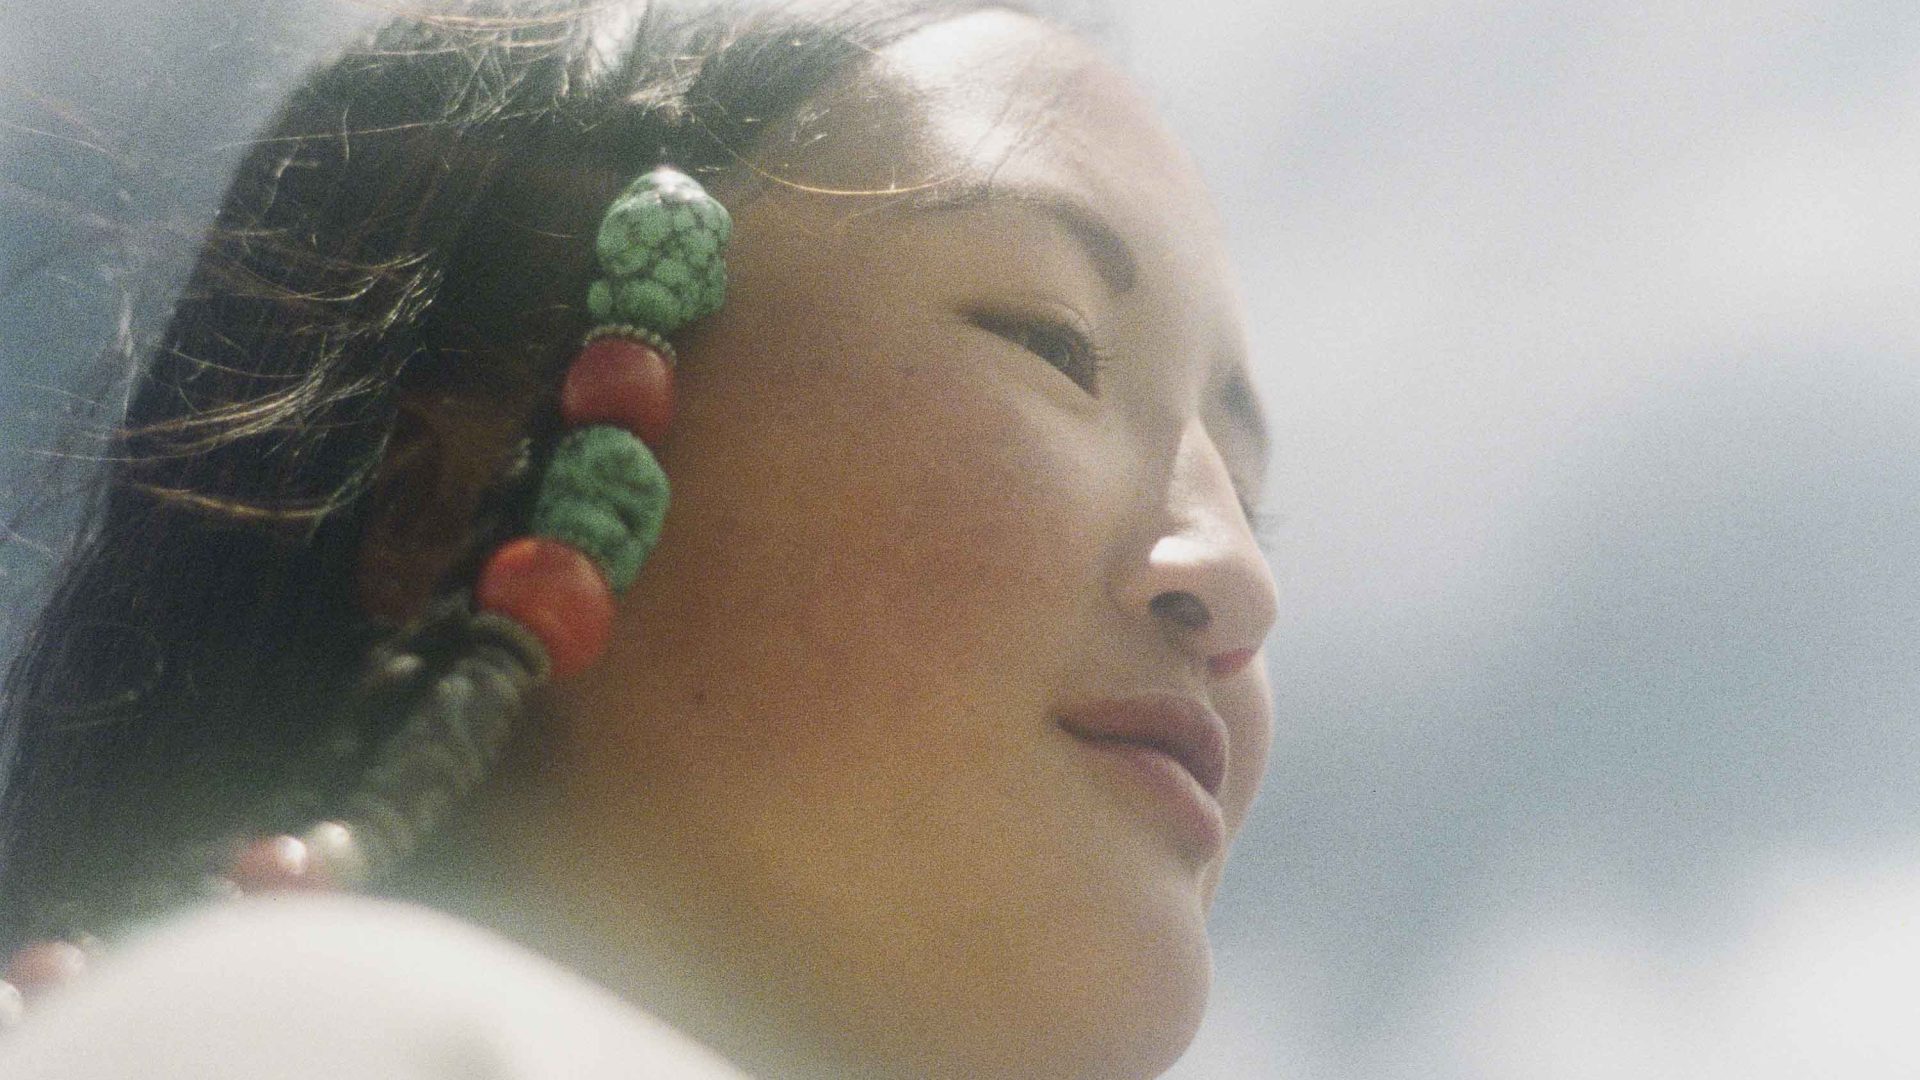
[1203, 580]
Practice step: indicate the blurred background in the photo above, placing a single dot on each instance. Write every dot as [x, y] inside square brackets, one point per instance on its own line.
[1592, 335]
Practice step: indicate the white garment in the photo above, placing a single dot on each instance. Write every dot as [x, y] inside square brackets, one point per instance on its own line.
[340, 988]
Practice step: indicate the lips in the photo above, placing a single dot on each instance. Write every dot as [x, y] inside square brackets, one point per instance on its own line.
[1179, 727]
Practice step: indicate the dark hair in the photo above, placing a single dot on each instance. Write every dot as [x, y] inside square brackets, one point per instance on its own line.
[184, 683]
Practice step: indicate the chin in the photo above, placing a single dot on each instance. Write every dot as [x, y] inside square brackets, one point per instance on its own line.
[1138, 1021]
[1136, 1038]
[1145, 978]
[1164, 1023]
[1120, 1003]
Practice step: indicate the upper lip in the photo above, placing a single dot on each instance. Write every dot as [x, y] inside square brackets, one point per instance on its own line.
[1181, 727]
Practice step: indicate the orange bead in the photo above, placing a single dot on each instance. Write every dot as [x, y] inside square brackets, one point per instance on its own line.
[276, 864]
[43, 965]
[622, 382]
[555, 591]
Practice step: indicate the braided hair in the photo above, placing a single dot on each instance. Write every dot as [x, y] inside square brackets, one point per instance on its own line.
[206, 668]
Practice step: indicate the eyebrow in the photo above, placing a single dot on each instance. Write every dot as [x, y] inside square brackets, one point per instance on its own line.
[1112, 259]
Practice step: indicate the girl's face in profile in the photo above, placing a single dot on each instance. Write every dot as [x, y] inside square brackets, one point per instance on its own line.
[943, 464]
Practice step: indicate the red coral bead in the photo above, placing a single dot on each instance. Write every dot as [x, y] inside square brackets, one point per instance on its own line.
[555, 591]
[276, 864]
[619, 381]
[43, 965]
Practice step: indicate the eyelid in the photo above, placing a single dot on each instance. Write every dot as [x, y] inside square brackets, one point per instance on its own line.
[1257, 518]
[1249, 504]
[1015, 323]
[1247, 492]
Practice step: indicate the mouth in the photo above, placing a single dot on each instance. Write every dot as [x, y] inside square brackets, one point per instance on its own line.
[1180, 728]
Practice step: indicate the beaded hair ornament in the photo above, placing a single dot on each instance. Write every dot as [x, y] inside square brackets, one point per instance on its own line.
[543, 603]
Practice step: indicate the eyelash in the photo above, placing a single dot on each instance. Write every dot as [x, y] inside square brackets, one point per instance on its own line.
[1259, 523]
[1082, 360]
[1082, 364]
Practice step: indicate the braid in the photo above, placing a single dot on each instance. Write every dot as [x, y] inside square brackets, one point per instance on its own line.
[335, 284]
[462, 678]
[448, 741]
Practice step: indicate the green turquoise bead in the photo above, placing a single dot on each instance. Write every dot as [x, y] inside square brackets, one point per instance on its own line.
[673, 274]
[635, 227]
[600, 301]
[659, 246]
[701, 247]
[603, 493]
[648, 303]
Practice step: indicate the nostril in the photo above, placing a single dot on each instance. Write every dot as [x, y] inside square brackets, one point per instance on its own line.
[1182, 609]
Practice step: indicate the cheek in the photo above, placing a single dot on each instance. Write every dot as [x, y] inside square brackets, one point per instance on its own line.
[831, 680]
[900, 516]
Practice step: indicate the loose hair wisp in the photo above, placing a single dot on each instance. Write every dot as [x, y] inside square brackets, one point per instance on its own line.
[434, 188]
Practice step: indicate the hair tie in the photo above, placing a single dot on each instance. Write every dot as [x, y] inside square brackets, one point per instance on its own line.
[603, 496]
[543, 602]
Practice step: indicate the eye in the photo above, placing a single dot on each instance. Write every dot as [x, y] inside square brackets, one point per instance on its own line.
[1059, 344]
[1259, 522]
[1258, 519]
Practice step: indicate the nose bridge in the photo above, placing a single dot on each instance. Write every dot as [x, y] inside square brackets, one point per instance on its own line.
[1201, 575]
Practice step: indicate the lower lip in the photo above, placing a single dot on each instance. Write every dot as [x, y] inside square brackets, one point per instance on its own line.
[1194, 812]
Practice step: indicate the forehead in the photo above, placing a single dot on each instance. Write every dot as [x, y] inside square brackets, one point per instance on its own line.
[1022, 101]
[995, 99]
[1000, 108]
[999, 100]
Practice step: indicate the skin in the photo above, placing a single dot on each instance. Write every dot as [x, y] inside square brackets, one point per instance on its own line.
[813, 806]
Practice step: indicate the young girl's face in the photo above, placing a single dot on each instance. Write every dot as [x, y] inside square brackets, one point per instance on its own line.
[950, 465]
